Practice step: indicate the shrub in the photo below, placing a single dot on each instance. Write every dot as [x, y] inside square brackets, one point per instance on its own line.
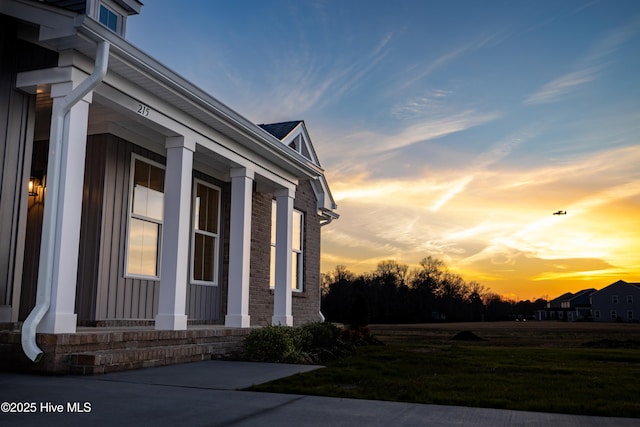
[270, 344]
[311, 343]
[325, 343]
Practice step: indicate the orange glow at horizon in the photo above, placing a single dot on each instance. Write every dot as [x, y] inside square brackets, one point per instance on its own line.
[497, 227]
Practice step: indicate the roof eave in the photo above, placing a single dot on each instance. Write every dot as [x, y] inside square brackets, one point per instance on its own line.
[74, 27]
[269, 145]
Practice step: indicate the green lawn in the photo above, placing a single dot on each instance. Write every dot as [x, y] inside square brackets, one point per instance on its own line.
[513, 367]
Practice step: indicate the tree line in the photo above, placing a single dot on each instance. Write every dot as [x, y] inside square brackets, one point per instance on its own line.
[393, 293]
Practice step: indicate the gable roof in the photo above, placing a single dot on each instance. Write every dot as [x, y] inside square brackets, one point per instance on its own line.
[617, 284]
[280, 130]
[294, 135]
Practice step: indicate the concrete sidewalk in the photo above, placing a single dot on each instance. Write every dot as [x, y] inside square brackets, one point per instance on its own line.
[205, 394]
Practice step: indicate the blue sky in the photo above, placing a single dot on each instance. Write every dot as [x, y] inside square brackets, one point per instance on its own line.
[446, 128]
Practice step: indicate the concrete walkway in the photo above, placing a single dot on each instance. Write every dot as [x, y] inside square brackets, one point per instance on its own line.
[205, 394]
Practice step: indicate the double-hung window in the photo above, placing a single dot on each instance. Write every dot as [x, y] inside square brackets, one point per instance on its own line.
[206, 225]
[146, 212]
[297, 249]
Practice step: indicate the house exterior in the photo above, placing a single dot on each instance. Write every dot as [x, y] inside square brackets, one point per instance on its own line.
[568, 307]
[129, 195]
[618, 302]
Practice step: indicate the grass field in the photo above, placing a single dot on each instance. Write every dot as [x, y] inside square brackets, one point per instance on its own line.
[576, 368]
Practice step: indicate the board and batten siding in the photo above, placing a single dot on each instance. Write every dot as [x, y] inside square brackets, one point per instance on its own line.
[104, 291]
[17, 121]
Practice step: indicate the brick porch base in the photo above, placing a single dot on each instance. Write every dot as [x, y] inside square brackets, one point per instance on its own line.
[98, 350]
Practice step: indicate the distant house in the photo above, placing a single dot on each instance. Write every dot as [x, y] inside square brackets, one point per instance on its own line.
[568, 307]
[130, 196]
[618, 302]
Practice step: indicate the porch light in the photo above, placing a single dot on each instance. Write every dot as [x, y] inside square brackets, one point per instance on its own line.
[36, 183]
[32, 187]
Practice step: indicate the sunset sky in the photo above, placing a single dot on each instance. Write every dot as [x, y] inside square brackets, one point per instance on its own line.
[446, 128]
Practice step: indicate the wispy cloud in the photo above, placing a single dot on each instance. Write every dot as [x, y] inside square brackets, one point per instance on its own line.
[420, 106]
[315, 82]
[562, 86]
[367, 142]
[589, 67]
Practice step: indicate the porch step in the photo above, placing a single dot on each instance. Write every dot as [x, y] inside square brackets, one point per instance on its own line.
[102, 362]
[101, 350]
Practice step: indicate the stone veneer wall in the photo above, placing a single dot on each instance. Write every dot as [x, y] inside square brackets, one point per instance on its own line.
[305, 304]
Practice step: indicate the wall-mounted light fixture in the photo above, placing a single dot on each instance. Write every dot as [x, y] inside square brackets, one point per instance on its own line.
[36, 183]
[32, 187]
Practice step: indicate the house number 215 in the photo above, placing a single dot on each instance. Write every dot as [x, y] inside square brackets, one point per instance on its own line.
[143, 110]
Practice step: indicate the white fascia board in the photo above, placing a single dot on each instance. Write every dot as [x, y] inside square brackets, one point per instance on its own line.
[265, 144]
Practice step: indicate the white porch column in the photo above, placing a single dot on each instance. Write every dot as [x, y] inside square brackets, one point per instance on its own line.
[284, 228]
[239, 249]
[61, 317]
[174, 265]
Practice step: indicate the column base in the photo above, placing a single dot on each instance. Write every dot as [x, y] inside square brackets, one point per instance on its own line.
[237, 321]
[171, 322]
[58, 323]
[282, 320]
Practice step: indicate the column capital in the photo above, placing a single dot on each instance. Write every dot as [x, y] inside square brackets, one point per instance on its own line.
[286, 192]
[242, 172]
[180, 141]
[61, 79]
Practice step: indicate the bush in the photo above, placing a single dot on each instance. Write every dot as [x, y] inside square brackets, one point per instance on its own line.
[325, 343]
[270, 344]
[311, 343]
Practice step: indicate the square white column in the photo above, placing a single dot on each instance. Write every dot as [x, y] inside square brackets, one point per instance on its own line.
[59, 249]
[176, 230]
[284, 229]
[239, 249]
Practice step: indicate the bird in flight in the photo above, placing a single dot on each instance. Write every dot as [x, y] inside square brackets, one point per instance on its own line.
[560, 213]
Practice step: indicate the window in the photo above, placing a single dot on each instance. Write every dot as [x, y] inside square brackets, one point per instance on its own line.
[297, 249]
[614, 315]
[146, 211]
[629, 315]
[108, 18]
[206, 224]
[614, 299]
[272, 266]
[629, 299]
[596, 314]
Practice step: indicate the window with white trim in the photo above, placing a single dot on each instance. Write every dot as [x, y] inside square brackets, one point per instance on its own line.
[614, 299]
[596, 314]
[629, 299]
[109, 18]
[146, 213]
[297, 249]
[205, 241]
[614, 314]
[630, 315]
[272, 264]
